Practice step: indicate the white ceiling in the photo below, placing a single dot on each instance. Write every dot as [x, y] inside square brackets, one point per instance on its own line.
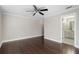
[21, 9]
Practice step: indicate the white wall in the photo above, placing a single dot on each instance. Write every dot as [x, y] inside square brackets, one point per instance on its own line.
[0, 29]
[19, 27]
[53, 29]
[77, 29]
[0, 26]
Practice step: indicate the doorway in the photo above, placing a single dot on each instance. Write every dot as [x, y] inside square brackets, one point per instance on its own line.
[68, 29]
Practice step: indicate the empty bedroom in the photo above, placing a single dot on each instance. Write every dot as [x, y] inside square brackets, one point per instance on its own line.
[39, 29]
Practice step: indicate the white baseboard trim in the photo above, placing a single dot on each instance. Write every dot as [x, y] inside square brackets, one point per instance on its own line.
[59, 41]
[31, 37]
[52, 39]
[22, 38]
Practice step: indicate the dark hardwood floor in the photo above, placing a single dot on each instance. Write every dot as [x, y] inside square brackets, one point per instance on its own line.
[36, 45]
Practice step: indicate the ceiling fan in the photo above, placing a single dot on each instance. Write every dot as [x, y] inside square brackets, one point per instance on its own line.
[38, 10]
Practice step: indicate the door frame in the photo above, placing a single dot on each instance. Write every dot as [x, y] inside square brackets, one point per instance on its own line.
[74, 13]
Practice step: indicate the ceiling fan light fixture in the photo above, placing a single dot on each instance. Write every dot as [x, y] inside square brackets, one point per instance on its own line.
[38, 10]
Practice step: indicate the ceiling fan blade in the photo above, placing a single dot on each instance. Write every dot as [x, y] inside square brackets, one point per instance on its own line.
[44, 10]
[34, 14]
[41, 13]
[35, 7]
